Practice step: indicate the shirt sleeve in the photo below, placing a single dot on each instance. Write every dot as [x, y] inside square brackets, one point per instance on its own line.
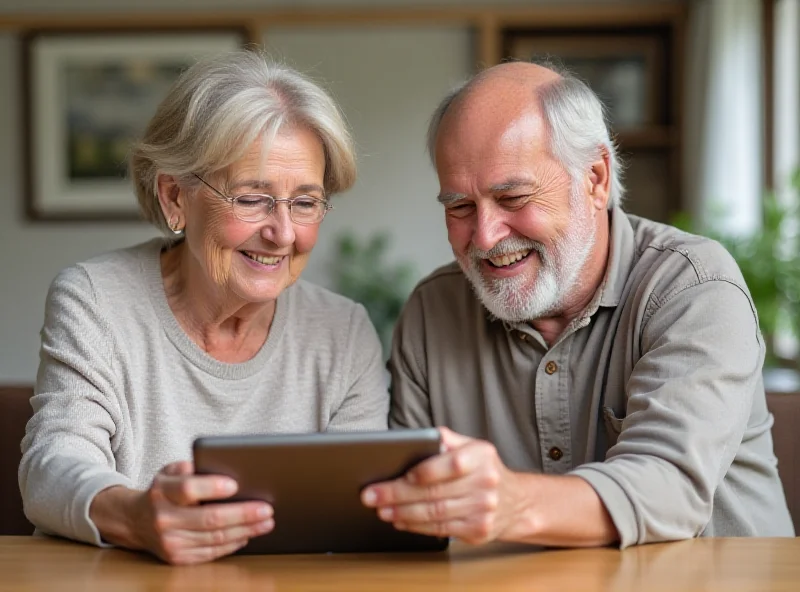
[68, 448]
[689, 398]
[366, 403]
[410, 404]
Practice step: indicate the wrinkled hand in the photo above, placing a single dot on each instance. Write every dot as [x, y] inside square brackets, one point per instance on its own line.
[171, 523]
[465, 492]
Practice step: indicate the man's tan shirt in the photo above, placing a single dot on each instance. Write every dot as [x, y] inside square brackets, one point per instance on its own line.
[653, 395]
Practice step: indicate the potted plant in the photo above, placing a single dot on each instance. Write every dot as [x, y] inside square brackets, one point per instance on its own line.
[770, 263]
[362, 272]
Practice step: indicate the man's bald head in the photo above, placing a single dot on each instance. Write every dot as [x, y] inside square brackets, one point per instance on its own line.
[546, 101]
[503, 90]
[499, 100]
[516, 82]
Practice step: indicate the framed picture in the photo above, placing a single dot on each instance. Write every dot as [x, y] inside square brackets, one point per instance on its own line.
[88, 96]
[626, 71]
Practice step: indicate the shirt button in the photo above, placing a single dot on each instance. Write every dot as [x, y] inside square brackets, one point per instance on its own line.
[522, 336]
[551, 367]
[555, 453]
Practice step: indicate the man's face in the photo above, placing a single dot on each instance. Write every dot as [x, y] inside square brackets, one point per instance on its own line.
[519, 227]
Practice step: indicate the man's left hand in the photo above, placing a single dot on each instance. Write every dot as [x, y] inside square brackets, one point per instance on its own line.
[465, 492]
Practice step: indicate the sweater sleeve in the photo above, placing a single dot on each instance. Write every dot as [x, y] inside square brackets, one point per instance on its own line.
[69, 446]
[365, 406]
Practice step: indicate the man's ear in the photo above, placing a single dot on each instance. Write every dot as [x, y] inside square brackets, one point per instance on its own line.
[598, 181]
[171, 200]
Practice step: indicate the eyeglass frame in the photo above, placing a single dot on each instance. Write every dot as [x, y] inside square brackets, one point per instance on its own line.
[275, 201]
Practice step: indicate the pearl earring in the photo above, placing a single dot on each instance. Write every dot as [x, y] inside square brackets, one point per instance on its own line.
[174, 225]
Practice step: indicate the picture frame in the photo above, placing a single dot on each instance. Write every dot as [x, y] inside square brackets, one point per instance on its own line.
[87, 96]
[625, 70]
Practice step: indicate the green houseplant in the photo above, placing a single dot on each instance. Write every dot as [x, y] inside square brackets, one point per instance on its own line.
[361, 271]
[770, 263]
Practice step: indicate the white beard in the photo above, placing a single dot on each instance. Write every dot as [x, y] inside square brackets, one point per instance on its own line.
[540, 292]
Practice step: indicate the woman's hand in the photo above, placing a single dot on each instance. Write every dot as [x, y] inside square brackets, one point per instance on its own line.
[169, 521]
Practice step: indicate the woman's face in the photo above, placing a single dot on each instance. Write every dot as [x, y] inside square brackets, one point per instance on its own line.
[256, 261]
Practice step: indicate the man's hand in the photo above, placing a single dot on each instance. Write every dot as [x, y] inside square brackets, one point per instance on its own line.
[465, 492]
[169, 521]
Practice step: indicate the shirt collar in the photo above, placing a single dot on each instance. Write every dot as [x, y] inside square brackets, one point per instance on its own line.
[622, 253]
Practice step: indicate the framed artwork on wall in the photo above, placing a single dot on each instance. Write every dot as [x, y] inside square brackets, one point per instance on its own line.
[87, 96]
[626, 71]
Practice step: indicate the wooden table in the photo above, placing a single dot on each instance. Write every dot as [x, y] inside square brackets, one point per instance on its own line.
[31, 564]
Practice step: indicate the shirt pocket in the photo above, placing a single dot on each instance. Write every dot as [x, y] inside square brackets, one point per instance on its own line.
[613, 425]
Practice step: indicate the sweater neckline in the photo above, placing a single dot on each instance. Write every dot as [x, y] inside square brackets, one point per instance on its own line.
[151, 269]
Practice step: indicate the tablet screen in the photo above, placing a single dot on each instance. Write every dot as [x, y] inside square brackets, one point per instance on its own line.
[314, 481]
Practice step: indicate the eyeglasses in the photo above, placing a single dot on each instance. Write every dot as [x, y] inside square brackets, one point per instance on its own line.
[255, 207]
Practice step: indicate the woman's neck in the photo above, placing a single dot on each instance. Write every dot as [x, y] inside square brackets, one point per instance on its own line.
[224, 326]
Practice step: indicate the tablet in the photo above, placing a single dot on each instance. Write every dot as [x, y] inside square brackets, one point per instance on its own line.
[314, 482]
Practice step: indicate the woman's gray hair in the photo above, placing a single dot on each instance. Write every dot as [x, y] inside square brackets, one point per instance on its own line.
[216, 110]
[575, 119]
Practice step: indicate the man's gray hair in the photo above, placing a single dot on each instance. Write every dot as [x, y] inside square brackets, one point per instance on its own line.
[575, 120]
[218, 108]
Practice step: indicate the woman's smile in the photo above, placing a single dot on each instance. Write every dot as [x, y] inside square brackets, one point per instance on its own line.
[263, 262]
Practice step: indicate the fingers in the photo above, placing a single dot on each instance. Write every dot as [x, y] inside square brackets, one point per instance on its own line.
[182, 531]
[455, 463]
[195, 555]
[181, 467]
[452, 440]
[219, 516]
[470, 530]
[223, 536]
[441, 510]
[214, 529]
[451, 474]
[456, 493]
[211, 517]
[401, 491]
[189, 490]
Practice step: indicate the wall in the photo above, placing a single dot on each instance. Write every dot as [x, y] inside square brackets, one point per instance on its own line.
[386, 83]
[388, 86]
[387, 79]
[30, 255]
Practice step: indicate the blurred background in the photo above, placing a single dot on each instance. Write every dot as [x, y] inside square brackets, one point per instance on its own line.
[702, 95]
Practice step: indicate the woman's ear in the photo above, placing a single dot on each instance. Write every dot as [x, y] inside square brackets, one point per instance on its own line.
[171, 199]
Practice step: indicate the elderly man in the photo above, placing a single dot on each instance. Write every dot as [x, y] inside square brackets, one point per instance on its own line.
[600, 373]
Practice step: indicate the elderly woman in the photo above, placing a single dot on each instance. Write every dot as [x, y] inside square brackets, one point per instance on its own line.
[206, 332]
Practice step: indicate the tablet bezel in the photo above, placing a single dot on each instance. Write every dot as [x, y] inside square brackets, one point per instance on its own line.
[316, 485]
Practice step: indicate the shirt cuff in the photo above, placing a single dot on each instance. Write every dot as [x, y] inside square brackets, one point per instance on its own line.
[615, 500]
[83, 527]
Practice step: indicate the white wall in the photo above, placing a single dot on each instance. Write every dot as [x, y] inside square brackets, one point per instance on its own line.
[388, 84]
[387, 80]
[31, 254]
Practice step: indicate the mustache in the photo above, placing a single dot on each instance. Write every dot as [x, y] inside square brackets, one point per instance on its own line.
[506, 247]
